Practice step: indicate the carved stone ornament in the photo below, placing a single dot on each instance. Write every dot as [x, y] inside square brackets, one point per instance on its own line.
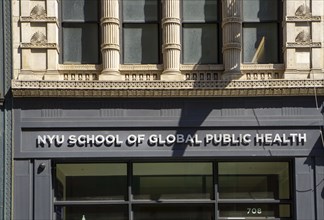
[303, 36]
[303, 10]
[38, 38]
[38, 12]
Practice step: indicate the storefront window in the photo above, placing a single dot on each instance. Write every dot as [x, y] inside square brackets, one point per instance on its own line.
[173, 181]
[254, 189]
[91, 181]
[173, 191]
[91, 212]
[254, 180]
[173, 212]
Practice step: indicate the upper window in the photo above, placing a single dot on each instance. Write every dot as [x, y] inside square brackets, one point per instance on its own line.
[200, 31]
[261, 42]
[80, 31]
[141, 31]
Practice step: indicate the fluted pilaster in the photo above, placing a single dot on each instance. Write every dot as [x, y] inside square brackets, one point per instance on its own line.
[232, 38]
[171, 40]
[110, 40]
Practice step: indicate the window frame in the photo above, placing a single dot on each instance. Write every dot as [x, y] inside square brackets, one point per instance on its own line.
[158, 23]
[74, 23]
[279, 38]
[218, 24]
[214, 201]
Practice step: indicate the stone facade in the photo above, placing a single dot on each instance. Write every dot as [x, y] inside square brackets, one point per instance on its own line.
[36, 51]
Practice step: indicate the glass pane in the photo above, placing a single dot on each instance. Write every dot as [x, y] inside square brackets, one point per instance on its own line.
[260, 10]
[157, 181]
[140, 10]
[200, 44]
[91, 182]
[141, 43]
[254, 180]
[255, 210]
[174, 212]
[88, 212]
[80, 10]
[80, 43]
[199, 10]
[260, 43]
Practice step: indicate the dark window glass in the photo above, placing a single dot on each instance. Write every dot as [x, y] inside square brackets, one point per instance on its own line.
[141, 31]
[200, 32]
[261, 22]
[172, 181]
[254, 180]
[91, 182]
[91, 212]
[174, 212]
[80, 31]
[205, 52]
[141, 44]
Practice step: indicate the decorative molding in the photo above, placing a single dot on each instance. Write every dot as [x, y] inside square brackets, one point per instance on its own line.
[253, 67]
[167, 89]
[232, 45]
[193, 67]
[39, 41]
[39, 46]
[141, 67]
[303, 36]
[39, 20]
[227, 20]
[80, 67]
[109, 20]
[303, 18]
[304, 45]
[303, 10]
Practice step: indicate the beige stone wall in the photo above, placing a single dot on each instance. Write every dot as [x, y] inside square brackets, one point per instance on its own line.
[36, 46]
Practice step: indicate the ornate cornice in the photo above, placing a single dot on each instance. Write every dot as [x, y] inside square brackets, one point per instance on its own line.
[167, 89]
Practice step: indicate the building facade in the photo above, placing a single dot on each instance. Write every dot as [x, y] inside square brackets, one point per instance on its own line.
[172, 109]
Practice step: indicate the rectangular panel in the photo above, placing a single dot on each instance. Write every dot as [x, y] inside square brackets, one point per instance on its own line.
[185, 142]
[199, 10]
[141, 44]
[80, 10]
[304, 180]
[80, 42]
[140, 10]
[23, 190]
[319, 161]
[200, 44]
[42, 189]
[260, 43]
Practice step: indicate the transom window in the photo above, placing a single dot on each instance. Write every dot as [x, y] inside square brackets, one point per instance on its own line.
[173, 190]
